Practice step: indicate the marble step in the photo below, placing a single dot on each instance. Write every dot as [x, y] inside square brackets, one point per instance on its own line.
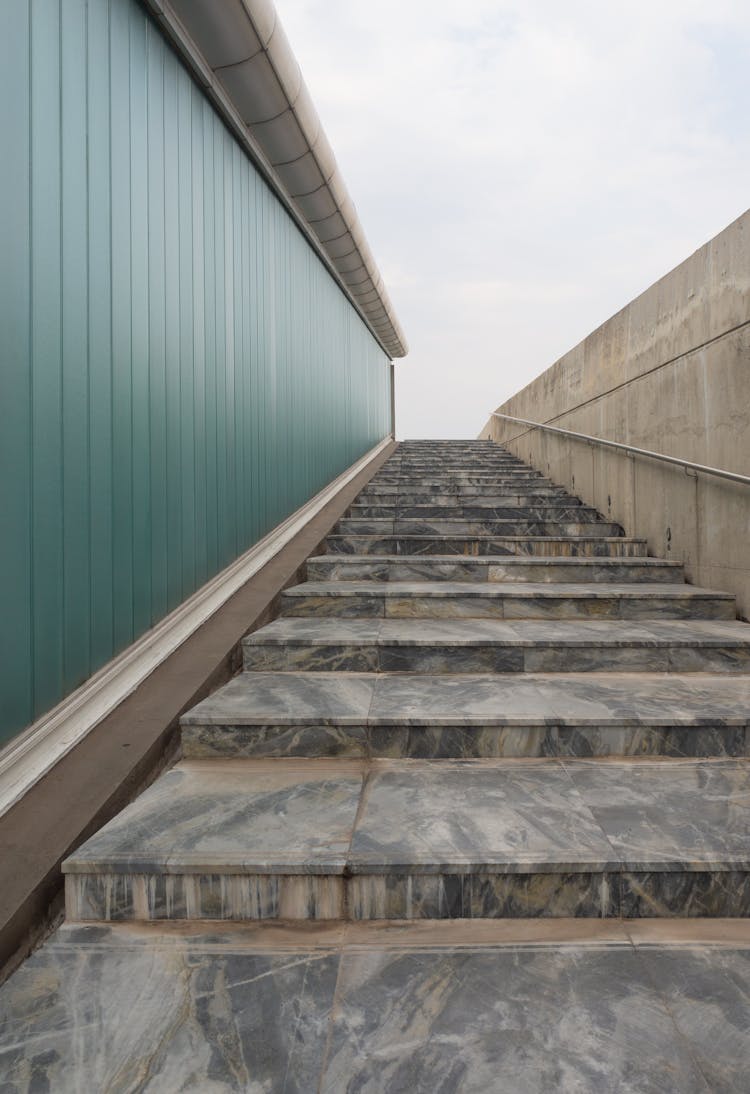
[559, 510]
[438, 526]
[431, 839]
[348, 714]
[492, 645]
[440, 467]
[550, 546]
[491, 568]
[548, 497]
[468, 478]
[443, 469]
[472, 468]
[452, 458]
[458, 462]
[492, 484]
[453, 493]
[503, 600]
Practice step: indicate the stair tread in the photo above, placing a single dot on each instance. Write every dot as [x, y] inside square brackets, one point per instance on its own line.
[500, 590]
[488, 568]
[431, 816]
[525, 632]
[349, 698]
[487, 537]
[507, 560]
[452, 525]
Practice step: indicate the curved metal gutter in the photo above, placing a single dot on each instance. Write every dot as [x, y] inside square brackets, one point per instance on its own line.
[239, 53]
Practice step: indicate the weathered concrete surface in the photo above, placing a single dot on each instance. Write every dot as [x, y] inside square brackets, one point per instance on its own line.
[671, 373]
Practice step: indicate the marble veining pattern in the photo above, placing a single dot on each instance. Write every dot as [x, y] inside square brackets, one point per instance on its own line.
[420, 786]
[233, 816]
[451, 716]
[516, 600]
[488, 568]
[547, 546]
[458, 645]
[89, 1014]
[134, 1009]
[459, 838]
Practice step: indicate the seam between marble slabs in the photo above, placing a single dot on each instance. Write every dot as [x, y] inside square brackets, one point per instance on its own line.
[617, 856]
[363, 798]
[368, 714]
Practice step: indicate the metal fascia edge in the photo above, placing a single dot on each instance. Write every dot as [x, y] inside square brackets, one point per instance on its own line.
[35, 751]
[203, 29]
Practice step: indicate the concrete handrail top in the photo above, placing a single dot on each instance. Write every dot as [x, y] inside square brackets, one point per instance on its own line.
[732, 476]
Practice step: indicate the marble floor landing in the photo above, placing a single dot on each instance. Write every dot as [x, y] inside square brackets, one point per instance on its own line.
[509, 1007]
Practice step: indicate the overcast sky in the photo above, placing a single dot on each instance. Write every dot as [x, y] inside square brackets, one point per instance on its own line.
[524, 168]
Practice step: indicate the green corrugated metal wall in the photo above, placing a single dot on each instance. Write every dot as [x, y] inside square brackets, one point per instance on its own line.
[179, 370]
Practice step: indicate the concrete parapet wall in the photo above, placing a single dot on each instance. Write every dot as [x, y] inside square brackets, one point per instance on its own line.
[670, 373]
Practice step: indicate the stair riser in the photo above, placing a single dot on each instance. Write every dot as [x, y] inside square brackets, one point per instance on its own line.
[437, 527]
[527, 513]
[336, 568]
[402, 895]
[454, 459]
[471, 467]
[365, 605]
[451, 501]
[549, 546]
[450, 742]
[459, 490]
[371, 657]
[457, 474]
[496, 480]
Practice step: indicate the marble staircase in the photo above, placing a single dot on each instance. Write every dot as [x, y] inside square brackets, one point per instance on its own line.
[485, 701]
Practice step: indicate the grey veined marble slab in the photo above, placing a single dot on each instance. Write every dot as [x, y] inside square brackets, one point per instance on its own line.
[465, 699]
[509, 600]
[670, 811]
[489, 645]
[234, 816]
[451, 716]
[501, 568]
[451, 815]
[415, 839]
[373, 1010]
[570, 698]
[95, 1011]
[521, 1021]
[302, 697]
[476, 546]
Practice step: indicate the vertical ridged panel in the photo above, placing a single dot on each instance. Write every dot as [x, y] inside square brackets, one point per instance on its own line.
[180, 372]
[16, 424]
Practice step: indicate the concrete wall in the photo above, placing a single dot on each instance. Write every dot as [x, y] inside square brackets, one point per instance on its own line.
[671, 373]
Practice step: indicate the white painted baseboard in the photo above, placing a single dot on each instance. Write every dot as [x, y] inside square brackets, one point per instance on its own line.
[35, 751]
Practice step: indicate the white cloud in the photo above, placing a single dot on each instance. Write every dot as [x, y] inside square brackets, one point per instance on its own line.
[523, 168]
